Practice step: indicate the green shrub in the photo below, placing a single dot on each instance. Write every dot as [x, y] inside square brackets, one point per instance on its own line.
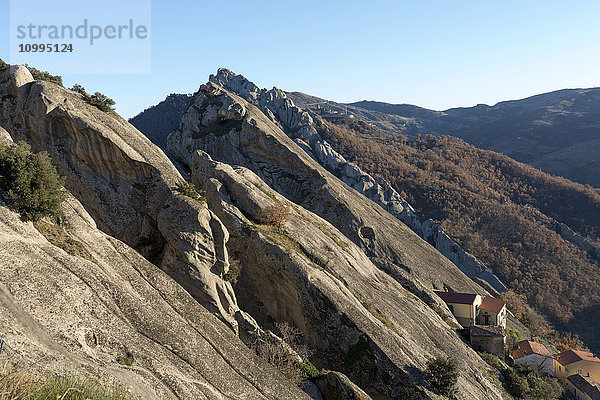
[32, 183]
[523, 383]
[442, 374]
[125, 360]
[234, 271]
[3, 65]
[309, 371]
[99, 100]
[44, 76]
[188, 189]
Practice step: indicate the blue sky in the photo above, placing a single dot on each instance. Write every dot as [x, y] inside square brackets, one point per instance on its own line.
[436, 54]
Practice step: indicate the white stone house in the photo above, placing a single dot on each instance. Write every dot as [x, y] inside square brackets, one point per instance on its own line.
[536, 355]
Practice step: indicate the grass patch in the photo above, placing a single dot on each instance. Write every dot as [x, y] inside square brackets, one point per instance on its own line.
[56, 235]
[22, 386]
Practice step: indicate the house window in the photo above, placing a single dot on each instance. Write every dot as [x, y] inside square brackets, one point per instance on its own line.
[579, 371]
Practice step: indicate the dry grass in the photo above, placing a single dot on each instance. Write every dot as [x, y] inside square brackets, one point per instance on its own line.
[20, 384]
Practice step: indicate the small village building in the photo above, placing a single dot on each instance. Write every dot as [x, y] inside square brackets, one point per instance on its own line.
[572, 362]
[464, 306]
[492, 311]
[489, 338]
[536, 355]
[583, 387]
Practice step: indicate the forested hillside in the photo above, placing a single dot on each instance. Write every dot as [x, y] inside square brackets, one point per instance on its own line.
[499, 209]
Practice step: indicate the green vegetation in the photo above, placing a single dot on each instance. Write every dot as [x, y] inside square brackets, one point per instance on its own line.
[358, 351]
[308, 370]
[3, 65]
[23, 386]
[523, 383]
[99, 100]
[44, 76]
[442, 374]
[188, 189]
[234, 271]
[32, 183]
[59, 238]
[497, 209]
[125, 360]
[290, 356]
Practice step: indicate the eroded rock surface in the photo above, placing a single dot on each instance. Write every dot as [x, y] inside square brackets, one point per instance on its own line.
[323, 272]
[85, 312]
[125, 182]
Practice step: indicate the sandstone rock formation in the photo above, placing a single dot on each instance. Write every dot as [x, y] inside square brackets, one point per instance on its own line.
[83, 312]
[299, 125]
[324, 272]
[125, 182]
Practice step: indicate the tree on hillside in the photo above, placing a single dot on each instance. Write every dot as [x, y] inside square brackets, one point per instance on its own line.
[99, 100]
[277, 215]
[39, 75]
[31, 181]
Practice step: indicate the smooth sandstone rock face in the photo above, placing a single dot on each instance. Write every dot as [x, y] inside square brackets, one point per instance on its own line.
[75, 314]
[126, 183]
[322, 273]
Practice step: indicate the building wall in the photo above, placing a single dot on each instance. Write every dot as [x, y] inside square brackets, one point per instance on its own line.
[465, 313]
[584, 368]
[576, 393]
[538, 363]
[491, 344]
[495, 319]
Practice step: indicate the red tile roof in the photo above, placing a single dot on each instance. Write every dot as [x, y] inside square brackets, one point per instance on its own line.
[571, 356]
[456, 298]
[492, 304]
[527, 347]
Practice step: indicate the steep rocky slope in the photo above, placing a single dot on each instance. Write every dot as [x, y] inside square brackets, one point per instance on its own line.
[125, 182]
[85, 310]
[342, 269]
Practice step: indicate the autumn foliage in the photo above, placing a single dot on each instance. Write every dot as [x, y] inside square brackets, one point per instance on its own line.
[277, 214]
[496, 208]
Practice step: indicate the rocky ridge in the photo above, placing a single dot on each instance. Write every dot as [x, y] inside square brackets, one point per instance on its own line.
[300, 125]
[323, 272]
[88, 308]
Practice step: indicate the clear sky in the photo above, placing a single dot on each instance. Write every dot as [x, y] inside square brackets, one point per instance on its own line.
[436, 54]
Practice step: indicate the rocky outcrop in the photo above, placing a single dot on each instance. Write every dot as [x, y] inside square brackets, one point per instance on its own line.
[299, 125]
[569, 234]
[324, 272]
[5, 136]
[468, 263]
[336, 386]
[310, 276]
[84, 312]
[125, 182]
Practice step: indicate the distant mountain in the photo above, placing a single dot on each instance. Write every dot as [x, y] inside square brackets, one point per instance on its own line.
[163, 117]
[558, 132]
